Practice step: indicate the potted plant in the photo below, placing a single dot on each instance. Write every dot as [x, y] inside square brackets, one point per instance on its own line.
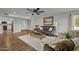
[67, 35]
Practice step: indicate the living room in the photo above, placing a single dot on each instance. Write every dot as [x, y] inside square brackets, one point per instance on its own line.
[41, 24]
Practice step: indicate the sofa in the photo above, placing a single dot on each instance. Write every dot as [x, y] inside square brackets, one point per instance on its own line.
[60, 43]
[47, 30]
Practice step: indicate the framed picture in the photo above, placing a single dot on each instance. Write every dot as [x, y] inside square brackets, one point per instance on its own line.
[48, 21]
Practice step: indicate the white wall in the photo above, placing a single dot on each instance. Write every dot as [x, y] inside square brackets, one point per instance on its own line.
[34, 22]
[17, 25]
[21, 24]
[65, 21]
[25, 24]
[1, 28]
[61, 22]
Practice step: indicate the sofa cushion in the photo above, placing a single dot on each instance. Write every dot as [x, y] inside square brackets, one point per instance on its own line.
[65, 45]
[76, 41]
[51, 41]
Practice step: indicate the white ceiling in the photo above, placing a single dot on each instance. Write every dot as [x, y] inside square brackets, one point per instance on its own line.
[48, 11]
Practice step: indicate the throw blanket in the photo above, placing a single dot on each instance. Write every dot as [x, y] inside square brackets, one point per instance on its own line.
[65, 45]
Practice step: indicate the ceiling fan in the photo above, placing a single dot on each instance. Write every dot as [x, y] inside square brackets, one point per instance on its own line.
[37, 11]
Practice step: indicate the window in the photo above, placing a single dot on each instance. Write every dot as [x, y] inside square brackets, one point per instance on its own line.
[76, 22]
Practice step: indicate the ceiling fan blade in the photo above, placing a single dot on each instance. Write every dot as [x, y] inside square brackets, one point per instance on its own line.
[37, 9]
[40, 11]
[29, 10]
[37, 13]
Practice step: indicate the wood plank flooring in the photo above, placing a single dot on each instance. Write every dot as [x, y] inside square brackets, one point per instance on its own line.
[10, 42]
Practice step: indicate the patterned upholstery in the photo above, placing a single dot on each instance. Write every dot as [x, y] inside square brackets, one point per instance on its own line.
[74, 33]
[61, 36]
[65, 45]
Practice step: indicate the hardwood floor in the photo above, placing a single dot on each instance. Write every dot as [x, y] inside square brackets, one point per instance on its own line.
[10, 42]
[21, 33]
